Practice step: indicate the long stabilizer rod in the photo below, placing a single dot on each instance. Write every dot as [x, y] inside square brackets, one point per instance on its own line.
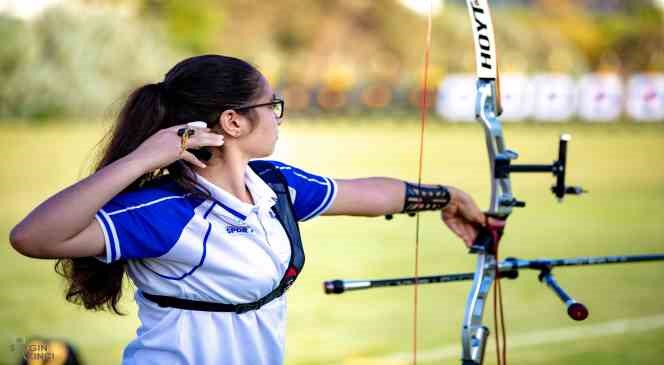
[509, 269]
[506, 268]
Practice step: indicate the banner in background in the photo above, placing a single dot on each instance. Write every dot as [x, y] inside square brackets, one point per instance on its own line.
[517, 93]
[554, 97]
[456, 98]
[600, 97]
[645, 100]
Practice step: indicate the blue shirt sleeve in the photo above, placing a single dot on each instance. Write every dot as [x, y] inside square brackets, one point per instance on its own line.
[143, 223]
[312, 194]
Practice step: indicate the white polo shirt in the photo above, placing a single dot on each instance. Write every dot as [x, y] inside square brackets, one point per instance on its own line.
[221, 250]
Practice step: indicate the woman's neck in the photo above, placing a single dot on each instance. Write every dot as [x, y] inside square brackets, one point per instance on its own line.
[227, 171]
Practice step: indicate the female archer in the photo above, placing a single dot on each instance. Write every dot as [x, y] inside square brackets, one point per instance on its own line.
[207, 233]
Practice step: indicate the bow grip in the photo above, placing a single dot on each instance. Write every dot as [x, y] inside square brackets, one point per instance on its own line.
[488, 237]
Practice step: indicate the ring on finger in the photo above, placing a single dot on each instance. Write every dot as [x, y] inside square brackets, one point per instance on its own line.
[184, 134]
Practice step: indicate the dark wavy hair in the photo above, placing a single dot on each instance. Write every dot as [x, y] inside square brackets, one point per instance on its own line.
[197, 88]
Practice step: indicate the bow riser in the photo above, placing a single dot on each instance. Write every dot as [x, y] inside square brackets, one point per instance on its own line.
[474, 334]
[501, 200]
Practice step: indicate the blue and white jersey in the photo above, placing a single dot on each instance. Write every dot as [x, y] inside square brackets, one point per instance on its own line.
[215, 250]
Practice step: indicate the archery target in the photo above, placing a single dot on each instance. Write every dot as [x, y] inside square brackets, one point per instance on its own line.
[645, 100]
[600, 97]
[455, 101]
[555, 97]
[517, 95]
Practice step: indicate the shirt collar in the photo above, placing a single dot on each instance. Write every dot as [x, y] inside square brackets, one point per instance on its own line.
[264, 197]
[260, 189]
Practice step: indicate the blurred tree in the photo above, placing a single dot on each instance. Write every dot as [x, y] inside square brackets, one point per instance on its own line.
[327, 39]
[76, 61]
[316, 40]
[193, 25]
[625, 34]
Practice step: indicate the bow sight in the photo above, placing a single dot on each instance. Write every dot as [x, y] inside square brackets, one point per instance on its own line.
[503, 167]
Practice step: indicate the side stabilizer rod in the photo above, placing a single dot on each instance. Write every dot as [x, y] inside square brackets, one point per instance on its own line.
[577, 311]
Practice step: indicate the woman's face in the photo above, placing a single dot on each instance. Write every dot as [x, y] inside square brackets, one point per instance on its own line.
[263, 138]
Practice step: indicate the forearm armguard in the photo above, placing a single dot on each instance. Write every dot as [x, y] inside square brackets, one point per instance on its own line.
[423, 197]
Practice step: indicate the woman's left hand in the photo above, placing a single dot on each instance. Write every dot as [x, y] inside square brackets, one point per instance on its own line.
[463, 216]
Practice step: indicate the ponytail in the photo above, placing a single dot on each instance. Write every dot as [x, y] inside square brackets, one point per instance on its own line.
[93, 284]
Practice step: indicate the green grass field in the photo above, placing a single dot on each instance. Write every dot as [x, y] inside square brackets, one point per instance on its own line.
[621, 165]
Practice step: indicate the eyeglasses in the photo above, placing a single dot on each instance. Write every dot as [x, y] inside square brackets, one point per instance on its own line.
[277, 107]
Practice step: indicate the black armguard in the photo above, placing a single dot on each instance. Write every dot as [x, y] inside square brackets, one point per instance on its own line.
[420, 198]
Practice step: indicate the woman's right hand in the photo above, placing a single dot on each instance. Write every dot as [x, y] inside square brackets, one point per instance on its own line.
[163, 148]
[462, 216]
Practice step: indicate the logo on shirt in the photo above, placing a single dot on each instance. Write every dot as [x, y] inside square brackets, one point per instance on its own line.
[238, 229]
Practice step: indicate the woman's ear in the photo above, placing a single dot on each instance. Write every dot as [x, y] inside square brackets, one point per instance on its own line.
[229, 123]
